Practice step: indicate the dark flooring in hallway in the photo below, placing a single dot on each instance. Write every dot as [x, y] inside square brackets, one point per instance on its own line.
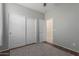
[41, 49]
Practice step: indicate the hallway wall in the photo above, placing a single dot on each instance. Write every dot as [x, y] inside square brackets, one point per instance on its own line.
[66, 25]
[1, 22]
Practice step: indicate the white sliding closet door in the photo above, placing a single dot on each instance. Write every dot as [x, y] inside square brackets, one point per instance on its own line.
[31, 30]
[16, 30]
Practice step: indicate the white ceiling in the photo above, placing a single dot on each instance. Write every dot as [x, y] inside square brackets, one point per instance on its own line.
[38, 6]
[50, 6]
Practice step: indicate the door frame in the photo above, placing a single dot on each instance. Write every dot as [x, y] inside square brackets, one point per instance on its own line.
[47, 29]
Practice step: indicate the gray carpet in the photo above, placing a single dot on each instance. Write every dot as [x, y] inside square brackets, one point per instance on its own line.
[38, 50]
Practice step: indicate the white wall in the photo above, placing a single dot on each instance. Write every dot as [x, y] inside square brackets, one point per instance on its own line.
[1, 24]
[66, 25]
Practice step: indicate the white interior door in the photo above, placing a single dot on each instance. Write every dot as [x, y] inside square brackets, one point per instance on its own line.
[16, 30]
[31, 30]
[50, 30]
[42, 30]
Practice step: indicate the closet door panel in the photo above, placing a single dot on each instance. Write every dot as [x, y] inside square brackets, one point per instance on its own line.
[31, 30]
[16, 30]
